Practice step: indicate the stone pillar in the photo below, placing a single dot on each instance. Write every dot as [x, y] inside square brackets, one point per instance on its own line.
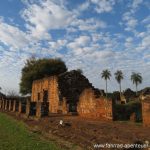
[5, 105]
[9, 108]
[28, 108]
[20, 107]
[146, 112]
[38, 109]
[0, 104]
[64, 106]
[14, 106]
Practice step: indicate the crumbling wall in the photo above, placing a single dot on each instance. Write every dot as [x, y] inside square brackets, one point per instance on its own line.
[50, 85]
[146, 112]
[71, 85]
[91, 107]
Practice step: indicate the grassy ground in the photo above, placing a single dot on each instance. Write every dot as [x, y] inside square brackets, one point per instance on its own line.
[15, 136]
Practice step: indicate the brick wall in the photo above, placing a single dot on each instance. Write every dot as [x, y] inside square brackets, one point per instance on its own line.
[51, 86]
[91, 107]
[146, 112]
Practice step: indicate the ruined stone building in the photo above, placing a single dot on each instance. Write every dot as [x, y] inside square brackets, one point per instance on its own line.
[91, 106]
[46, 90]
[145, 99]
[146, 112]
[65, 93]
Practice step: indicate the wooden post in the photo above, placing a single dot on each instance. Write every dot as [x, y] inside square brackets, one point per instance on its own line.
[14, 106]
[38, 109]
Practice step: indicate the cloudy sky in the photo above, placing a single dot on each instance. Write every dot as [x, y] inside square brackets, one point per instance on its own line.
[88, 34]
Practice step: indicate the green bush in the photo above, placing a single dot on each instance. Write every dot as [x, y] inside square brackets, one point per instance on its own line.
[124, 111]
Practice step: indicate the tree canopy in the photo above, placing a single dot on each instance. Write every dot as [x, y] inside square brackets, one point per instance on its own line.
[38, 68]
[136, 78]
[106, 74]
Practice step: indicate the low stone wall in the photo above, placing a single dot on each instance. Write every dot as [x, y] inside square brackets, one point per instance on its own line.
[91, 107]
[146, 112]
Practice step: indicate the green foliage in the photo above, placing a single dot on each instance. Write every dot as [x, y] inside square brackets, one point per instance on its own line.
[119, 76]
[38, 68]
[106, 74]
[136, 78]
[15, 136]
[124, 111]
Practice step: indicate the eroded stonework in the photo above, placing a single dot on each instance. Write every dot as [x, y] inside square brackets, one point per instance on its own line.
[46, 90]
[91, 107]
[146, 112]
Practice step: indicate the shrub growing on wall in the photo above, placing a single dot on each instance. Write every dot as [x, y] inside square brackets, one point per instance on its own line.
[38, 68]
[124, 111]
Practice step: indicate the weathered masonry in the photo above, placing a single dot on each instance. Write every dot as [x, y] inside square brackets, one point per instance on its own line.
[146, 112]
[89, 105]
[46, 91]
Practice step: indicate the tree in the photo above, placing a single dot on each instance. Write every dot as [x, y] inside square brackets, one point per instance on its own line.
[119, 77]
[136, 78]
[106, 75]
[37, 69]
[12, 94]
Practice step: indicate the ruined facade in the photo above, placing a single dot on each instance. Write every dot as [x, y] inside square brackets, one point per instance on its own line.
[146, 112]
[71, 92]
[90, 106]
[46, 90]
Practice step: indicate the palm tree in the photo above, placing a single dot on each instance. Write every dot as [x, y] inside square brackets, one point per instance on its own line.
[136, 78]
[106, 75]
[119, 77]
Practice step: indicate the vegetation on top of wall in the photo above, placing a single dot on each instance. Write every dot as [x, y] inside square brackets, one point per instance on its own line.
[124, 111]
[38, 68]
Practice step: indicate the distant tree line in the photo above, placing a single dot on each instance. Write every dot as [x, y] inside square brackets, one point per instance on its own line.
[136, 78]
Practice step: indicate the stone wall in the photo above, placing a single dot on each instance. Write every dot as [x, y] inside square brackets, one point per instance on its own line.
[146, 112]
[91, 107]
[49, 85]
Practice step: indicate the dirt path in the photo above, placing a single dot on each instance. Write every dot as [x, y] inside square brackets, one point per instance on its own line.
[85, 133]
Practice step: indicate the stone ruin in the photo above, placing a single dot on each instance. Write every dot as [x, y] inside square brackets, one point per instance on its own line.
[69, 92]
[91, 106]
[146, 111]
[63, 94]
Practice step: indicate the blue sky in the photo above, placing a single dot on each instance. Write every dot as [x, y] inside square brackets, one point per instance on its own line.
[88, 34]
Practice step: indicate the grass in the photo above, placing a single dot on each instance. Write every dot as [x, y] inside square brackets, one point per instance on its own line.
[15, 136]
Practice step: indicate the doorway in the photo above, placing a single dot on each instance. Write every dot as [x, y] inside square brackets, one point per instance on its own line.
[45, 96]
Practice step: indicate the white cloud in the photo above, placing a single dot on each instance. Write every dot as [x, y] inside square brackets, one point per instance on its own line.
[136, 3]
[103, 5]
[90, 25]
[130, 21]
[45, 16]
[146, 20]
[146, 42]
[79, 42]
[84, 6]
[12, 36]
[88, 43]
[58, 44]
